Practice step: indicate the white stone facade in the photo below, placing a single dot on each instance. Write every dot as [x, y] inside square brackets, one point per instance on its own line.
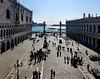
[15, 24]
[85, 31]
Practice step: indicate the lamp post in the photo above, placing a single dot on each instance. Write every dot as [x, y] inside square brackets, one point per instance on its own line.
[16, 66]
[99, 58]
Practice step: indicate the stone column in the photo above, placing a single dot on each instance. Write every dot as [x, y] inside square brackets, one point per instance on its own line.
[88, 40]
[96, 28]
[13, 41]
[5, 33]
[81, 37]
[85, 39]
[92, 28]
[83, 27]
[96, 45]
[10, 32]
[92, 41]
[17, 40]
[10, 44]
[0, 34]
[88, 28]
[5, 45]
[0, 47]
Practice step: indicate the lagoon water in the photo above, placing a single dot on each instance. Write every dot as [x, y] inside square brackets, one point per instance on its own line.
[48, 28]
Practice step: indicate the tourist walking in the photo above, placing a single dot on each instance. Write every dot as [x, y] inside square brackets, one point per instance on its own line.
[60, 53]
[51, 72]
[45, 57]
[35, 58]
[25, 77]
[65, 60]
[81, 60]
[54, 74]
[86, 52]
[57, 54]
[88, 67]
[39, 74]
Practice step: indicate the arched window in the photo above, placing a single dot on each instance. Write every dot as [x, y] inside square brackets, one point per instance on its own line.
[7, 32]
[4, 32]
[2, 26]
[1, 33]
[90, 28]
[26, 18]
[98, 28]
[87, 27]
[16, 17]
[22, 17]
[1, 1]
[30, 19]
[8, 14]
[94, 28]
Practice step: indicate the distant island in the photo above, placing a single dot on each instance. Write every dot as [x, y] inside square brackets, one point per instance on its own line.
[58, 25]
[37, 24]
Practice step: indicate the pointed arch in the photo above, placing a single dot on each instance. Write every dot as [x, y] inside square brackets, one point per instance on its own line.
[3, 47]
[8, 14]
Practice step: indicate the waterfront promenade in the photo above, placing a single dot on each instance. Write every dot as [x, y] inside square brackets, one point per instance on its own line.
[62, 69]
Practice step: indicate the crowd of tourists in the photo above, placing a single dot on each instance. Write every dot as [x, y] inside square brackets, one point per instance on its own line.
[40, 55]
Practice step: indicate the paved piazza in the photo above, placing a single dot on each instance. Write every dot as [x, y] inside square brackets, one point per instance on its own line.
[62, 70]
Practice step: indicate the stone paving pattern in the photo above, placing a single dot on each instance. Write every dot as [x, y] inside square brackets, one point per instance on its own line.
[63, 71]
[8, 58]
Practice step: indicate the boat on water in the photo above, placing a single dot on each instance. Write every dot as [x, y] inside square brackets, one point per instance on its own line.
[51, 28]
[58, 25]
[39, 24]
[62, 29]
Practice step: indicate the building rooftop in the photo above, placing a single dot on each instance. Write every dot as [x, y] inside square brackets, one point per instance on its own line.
[15, 1]
[86, 19]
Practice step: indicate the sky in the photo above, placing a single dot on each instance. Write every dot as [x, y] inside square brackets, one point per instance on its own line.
[52, 11]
